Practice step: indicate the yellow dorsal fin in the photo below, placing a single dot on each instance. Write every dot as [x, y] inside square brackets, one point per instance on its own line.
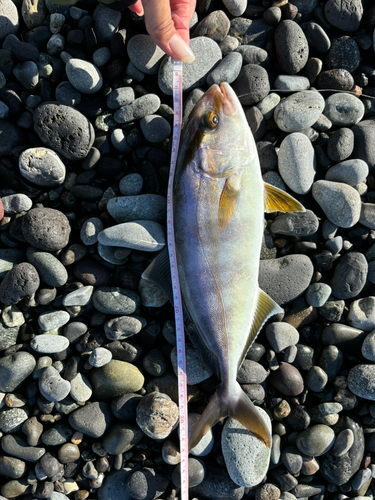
[277, 200]
[266, 307]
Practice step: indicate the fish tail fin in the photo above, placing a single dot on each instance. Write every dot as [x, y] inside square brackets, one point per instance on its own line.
[243, 410]
[236, 405]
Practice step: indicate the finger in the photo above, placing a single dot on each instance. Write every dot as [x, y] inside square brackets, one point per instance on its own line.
[137, 7]
[161, 27]
[182, 11]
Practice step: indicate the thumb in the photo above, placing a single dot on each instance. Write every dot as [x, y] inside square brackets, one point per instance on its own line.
[162, 30]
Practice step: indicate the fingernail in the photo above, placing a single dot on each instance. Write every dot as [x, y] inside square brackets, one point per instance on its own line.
[181, 49]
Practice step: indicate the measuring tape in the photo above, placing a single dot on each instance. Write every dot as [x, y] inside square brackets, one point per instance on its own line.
[178, 314]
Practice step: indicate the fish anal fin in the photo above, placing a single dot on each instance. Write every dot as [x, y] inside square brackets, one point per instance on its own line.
[277, 200]
[159, 272]
[266, 307]
[228, 202]
[245, 412]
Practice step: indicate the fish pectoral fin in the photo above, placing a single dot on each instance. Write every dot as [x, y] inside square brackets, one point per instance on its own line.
[213, 412]
[266, 307]
[277, 200]
[228, 201]
[246, 414]
[159, 272]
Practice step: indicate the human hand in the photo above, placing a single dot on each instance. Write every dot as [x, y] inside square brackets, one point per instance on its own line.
[167, 22]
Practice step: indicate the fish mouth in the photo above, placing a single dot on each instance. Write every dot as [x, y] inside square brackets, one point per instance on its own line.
[222, 98]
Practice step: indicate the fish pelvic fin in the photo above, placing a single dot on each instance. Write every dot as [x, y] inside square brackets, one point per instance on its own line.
[235, 405]
[277, 200]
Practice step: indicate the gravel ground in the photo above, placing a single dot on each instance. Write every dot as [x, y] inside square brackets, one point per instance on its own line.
[88, 391]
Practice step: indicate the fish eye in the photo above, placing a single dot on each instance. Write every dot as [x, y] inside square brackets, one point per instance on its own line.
[211, 120]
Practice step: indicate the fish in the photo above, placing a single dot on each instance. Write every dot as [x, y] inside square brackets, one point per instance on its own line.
[219, 200]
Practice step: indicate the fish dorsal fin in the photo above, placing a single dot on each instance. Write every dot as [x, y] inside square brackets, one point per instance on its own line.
[266, 307]
[159, 272]
[277, 200]
[228, 200]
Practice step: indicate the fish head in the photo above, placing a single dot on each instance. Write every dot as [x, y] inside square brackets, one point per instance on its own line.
[217, 139]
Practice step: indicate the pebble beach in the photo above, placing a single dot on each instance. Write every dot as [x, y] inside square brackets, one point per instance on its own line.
[88, 362]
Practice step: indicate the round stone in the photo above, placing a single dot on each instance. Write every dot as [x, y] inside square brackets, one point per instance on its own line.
[297, 163]
[84, 76]
[46, 228]
[148, 236]
[351, 172]
[344, 14]
[316, 379]
[340, 144]
[252, 84]
[146, 484]
[9, 19]
[115, 379]
[100, 357]
[52, 386]
[361, 381]
[157, 415]
[317, 294]
[145, 54]
[80, 389]
[151, 207]
[292, 50]
[237, 443]
[115, 300]
[52, 320]
[295, 224]
[90, 230]
[344, 441]
[121, 438]
[155, 128]
[49, 344]
[299, 111]
[227, 71]
[340, 203]
[316, 440]
[93, 419]
[287, 380]
[197, 368]
[16, 203]
[50, 269]
[42, 167]
[123, 327]
[364, 134]
[344, 110]
[362, 314]
[207, 56]
[206, 444]
[64, 129]
[281, 335]
[21, 281]
[349, 276]
[343, 54]
[106, 22]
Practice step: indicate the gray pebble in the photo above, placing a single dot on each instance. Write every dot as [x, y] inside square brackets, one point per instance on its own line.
[151, 294]
[252, 54]
[246, 457]
[115, 300]
[51, 320]
[363, 142]
[42, 167]
[21, 281]
[316, 440]
[11, 419]
[350, 172]
[228, 45]
[50, 269]
[49, 344]
[297, 164]
[119, 141]
[292, 50]
[137, 109]
[120, 97]
[344, 110]
[100, 357]
[27, 74]
[207, 56]
[227, 71]
[295, 224]
[16, 203]
[149, 207]
[15, 446]
[299, 111]
[80, 388]
[121, 438]
[52, 386]
[292, 83]
[123, 327]
[155, 128]
[281, 335]
[340, 144]
[101, 56]
[9, 20]
[362, 314]
[344, 441]
[145, 54]
[90, 230]
[46, 229]
[341, 203]
[80, 297]
[252, 84]
[197, 369]
[235, 7]
[106, 22]
[268, 105]
[349, 276]
[93, 419]
[361, 381]
[285, 278]
[84, 76]
[215, 26]
[140, 235]
[113, 255]
[343, 54]
[317, 294]
[316, 379]
[344, 15]
[131, 184]
[67, 94]
[368, 347]
[251, 372]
